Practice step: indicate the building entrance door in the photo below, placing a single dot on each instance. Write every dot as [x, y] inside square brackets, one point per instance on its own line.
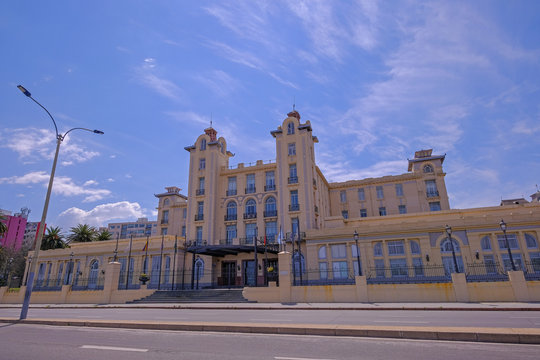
[249, 276]
[228, 273]
[271, 271]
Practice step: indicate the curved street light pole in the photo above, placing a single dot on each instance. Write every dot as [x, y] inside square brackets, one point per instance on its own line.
[355, 236]
[448, 230]
[502, 224]
[37, 247]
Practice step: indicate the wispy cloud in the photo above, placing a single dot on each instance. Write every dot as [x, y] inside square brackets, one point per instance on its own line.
[63, 185]
[189, 117]
[219, 82]
[147, 75]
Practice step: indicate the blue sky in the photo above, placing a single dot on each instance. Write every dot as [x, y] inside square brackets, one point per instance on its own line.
[378, 81]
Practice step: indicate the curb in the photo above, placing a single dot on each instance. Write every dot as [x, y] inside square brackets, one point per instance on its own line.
[497, 335]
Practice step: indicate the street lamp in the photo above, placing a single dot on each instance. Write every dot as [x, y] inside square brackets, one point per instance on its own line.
[355, 235]
[449, 234]
[70, 277]
[502, 224]
[33, 264]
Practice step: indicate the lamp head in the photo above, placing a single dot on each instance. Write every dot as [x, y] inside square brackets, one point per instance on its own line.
[502, 224]
[355, 235]
[98, 132]
[448, 230]
[24, 91]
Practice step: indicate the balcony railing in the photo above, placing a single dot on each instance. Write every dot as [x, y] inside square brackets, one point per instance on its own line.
[270, 187]
[199, 217]
[293, 180]
[294, 207]
[199, 192]
[314, 183]
[316, 209]
[231, 192]
[230, 217]
[250, 215]
[432, 193]
[164, 221]
[251, 189]
[270, 213]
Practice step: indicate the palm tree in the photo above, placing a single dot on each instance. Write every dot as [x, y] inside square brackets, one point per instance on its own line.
[82, 233]
[103, 235]
[3, 226]
[53, 239]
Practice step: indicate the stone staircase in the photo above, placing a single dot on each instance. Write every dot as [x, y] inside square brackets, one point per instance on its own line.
[194, 296]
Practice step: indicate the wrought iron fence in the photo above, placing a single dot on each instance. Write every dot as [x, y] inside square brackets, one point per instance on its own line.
[478, 272]
[531, 270]
[313, 277]
[408, 274]
[88, 283]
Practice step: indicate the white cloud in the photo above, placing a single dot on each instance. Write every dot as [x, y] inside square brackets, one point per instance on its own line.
[62, 185]
[34, 144]
[146, 74]
[189, 117]
[221, 83]
[339, 171]
[100, 215]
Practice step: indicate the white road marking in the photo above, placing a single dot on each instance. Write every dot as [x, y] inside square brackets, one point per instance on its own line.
[89, 317]
[296, 358]
[403, 321]
[112, 348]
[284, 320]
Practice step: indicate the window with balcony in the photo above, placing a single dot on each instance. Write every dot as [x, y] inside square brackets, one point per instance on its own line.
[231, 234]
[200, 190]
[231, 186]
[294, 206]
[251, 209]
[345, 214]
[270, 231]
[363, 212]
[435, 206]
[250, 183]
[402, 209]
[183, 233]
[200, 211]
[198, 234]
[270, 207]
[380, 192]
[361, 194]
[399, 189]
[294, 225]
[202, 164]
[270, 183]
[431, 188]
[292, 149]
[231, 211]
[343, 196]
[251, 232]
[382, 211]
[293, 176]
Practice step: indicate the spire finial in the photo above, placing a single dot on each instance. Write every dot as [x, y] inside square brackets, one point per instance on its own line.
[210, 119]
[294, 103]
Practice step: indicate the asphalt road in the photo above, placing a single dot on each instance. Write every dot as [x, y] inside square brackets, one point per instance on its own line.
[506, 319]
[18, 341]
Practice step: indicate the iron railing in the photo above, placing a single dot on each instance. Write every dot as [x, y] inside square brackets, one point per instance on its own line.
[89, 283]
[531, 270]
[478, 272]
[408, 274]
[314, 277]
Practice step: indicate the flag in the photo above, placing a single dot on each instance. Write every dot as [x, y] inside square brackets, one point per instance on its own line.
[280, 236]
[264, 239]
[145, 248]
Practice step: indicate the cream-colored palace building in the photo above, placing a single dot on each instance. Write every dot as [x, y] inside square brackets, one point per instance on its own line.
[400, 221]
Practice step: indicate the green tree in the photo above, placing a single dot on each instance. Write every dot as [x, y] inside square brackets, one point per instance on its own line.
[54, 239]
[103, 235]
[3, 226]
[82, 233]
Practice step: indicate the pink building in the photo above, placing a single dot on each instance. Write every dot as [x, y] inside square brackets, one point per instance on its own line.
[16, 225]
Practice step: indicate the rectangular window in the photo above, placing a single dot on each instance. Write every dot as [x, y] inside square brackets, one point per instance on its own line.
[202, 163]
[380, 192]
[250, 183]
[396, 247]
[270, 181]
[418, 267]
[231, 183]
[199, 235]
[184, 213]
[402, 209]
[339, 270]
[164, 231]
[293, 176]
[379, 268]
[200, 207]
[399, 189]
[512, 241]
[508, 264]
[431, 188]
[270, 231]
[231, 234]
[292, 149]
[382, 211]
[361, 194]
[398, 267]
[323, 270]
[363, 212]
[343, 196]
[165, 217]
[201, 183]
[183, 230]
[345, 214]
[339, 251]
[294, 201]
[294, 225]
[250, 232]
[435, 206]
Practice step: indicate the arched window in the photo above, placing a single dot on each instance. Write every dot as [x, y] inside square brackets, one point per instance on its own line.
[166, 202]
[251, 207]
[231, 209]
[203, 144]
[167, 269]
[377, 249]
[428, 168]
[92, 279]
[222, 148]
[446, 246]
[270, 206]
[415, 247]
[199, 269]
[531, 241]
[485, 243]
[299, 263]
[322, 252]
[290, 128]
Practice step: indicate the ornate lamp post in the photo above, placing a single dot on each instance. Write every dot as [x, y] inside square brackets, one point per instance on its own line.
[502, 224]
[448, 230]
[33, 264]
[355, 235]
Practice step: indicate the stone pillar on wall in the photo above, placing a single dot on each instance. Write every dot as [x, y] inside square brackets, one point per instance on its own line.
[361, 289]
[284, 266]
[64, 294]
[3, 290]
[112, 275]
[461, 291]
[519, 285]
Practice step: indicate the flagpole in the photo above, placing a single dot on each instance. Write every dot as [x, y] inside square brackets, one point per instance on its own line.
[129, 261]
[293, 258]
[160, 262]
[300, 250]
[174, 259]
[145, 266]
[255, 271]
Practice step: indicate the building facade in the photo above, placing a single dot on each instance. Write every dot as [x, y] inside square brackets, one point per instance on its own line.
[16, 226]
[140, 228]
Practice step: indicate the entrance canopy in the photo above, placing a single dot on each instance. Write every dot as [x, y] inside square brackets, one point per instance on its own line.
[223, 250]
